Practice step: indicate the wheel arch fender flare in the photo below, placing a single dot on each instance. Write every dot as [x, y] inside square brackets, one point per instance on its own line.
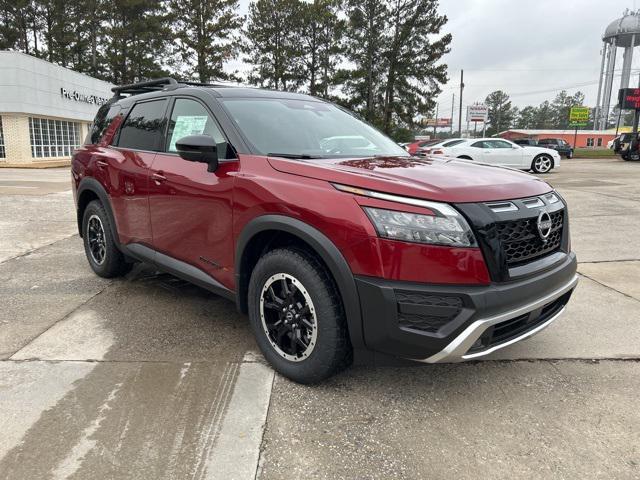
[92, 185]
[323, 247]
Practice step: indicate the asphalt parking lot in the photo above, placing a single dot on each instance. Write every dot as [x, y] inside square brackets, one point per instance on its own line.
[148, 377]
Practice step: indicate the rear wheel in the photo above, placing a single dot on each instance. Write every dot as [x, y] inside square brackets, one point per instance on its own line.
[297, 316]
[542, 164]
[100, 248]
[570, 154]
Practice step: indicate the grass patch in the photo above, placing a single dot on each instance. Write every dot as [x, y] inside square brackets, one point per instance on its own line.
[593, 152]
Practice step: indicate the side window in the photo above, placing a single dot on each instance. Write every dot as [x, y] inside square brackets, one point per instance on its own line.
[501, 144]
[143, 128]
[478, 145]
[105, 114]
[189, 117]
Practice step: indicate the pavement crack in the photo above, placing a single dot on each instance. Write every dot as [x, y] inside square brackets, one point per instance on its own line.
[609, 287]
[33, 250]
[61, 319]
[610, 261]
[262, 447]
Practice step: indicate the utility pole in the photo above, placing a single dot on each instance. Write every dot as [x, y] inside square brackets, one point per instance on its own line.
[453, 103]
[435, 125]
[461, 89]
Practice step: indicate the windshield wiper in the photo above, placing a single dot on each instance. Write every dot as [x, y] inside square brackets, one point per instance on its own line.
[300, 156]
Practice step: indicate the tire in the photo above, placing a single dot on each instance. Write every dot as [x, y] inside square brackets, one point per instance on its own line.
[99, 246]
[570, 154]
[322, 325]
[465, 157]
[542, 164]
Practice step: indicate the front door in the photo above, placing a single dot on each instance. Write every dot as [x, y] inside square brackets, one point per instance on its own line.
[499, 152]
[191, 209]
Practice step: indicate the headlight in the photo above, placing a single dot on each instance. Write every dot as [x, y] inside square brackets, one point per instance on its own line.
[445, 226]
[411, 227]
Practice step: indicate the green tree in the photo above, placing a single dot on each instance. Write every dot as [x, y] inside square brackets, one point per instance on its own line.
[321, 42]
[205, 33]
[501, 114]
[413, 71]
[20, 26]
[544, 116]
[526, 118]
[367, 42]
[135, 42]
[272, 44]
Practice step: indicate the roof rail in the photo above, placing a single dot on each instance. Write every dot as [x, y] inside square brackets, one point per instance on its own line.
[145, 87]
[200, 84]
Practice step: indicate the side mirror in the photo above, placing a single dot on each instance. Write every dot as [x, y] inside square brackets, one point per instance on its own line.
[199, 148]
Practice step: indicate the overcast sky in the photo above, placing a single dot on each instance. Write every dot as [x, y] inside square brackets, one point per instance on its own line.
[530, 49]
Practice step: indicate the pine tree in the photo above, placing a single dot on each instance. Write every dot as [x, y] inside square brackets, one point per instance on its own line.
[501, 114]
[321, 41]
[20, 26]
[367, 41]
[135, 42]
[206, 33]
[413, 71]
[526, 118]
[272, 44]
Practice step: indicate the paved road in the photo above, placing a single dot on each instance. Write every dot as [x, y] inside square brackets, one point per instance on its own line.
[149, 377]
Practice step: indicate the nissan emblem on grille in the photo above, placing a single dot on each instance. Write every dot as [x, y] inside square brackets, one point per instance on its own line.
[544, 225]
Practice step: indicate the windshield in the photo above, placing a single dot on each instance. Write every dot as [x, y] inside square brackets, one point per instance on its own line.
[307, 128]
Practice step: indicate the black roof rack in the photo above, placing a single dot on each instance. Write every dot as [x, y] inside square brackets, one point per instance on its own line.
[145, 87]
[200, 84]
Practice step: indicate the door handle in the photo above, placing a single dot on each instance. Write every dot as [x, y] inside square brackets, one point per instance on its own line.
[159, 178]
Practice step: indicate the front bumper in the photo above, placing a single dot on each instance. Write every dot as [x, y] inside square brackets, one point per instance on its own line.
[438, 323]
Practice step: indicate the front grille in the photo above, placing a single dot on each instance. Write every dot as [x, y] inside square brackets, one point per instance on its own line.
[509, 329]
[426, 313]
[521, 242]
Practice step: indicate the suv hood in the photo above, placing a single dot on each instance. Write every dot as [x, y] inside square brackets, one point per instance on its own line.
[438, 179]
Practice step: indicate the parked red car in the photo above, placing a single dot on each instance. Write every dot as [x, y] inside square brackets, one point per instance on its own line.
[413, 147]
[336, 242]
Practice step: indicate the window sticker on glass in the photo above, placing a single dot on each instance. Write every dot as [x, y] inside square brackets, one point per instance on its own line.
[187, 125]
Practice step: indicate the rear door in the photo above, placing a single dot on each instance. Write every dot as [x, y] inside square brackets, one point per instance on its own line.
[137, 142]
[191, 209]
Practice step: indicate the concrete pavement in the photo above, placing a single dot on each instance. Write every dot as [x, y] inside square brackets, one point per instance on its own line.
[150, 377]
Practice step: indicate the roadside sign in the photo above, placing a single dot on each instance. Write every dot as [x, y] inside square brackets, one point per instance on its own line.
[579, 116]
[629, 98]
[477, 113]
[436, 122]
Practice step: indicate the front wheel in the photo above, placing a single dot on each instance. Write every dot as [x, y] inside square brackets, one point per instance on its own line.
[542, 164]
[297, 316]
[570, 154]
[99, 245]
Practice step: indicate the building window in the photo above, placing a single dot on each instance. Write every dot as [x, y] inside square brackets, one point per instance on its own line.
[2, 150]
[599, 142]
[589, 142]
[53, 138]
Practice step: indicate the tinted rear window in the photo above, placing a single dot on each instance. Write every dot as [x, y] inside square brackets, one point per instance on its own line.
[105, 114]
[144, 127]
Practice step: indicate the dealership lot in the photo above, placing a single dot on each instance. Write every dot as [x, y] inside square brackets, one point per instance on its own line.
[150, 377]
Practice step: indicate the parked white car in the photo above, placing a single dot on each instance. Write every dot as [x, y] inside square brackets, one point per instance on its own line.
[500, 152]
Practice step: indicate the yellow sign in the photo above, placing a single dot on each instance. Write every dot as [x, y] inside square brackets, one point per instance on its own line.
[579, 115]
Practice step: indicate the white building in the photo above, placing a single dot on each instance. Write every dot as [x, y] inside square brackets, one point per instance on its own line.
[45, 110]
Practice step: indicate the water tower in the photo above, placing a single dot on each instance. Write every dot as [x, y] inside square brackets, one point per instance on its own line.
[621, 33]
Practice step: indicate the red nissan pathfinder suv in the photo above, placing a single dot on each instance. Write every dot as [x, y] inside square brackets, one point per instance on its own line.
[337, 243]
